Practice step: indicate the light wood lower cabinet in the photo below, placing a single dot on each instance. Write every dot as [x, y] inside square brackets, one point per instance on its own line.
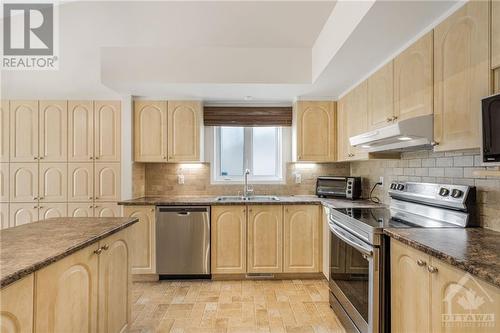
[142, 239]
[301, 239]
[228, 239]
[325, 242]
[4, 215]
[16, 307]
[22, 213]
[5, 133]
[107, 210]
[495, 34]
[265, 239]
[496, 74]
[51, 210]
[82, 209]
[4, 182]
[428, 295]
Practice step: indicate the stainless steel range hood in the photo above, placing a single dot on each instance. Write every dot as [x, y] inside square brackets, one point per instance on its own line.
[405, 135]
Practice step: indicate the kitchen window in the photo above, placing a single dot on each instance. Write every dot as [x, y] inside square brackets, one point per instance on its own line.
[259, 149]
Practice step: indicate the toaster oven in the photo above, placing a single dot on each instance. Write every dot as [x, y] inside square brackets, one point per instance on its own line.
[338, 187]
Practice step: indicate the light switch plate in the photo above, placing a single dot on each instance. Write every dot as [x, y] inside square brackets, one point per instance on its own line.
[298, 178]
[180, 179]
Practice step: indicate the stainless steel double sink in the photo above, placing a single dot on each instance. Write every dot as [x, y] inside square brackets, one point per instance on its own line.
[249, 198]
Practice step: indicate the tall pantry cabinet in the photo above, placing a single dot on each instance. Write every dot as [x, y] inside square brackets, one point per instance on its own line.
[59, 158]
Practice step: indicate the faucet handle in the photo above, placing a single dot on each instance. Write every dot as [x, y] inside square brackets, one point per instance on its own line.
[249, 189]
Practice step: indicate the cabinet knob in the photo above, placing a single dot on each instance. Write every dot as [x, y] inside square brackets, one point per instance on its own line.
[432, 269]
[41, 198]
[389, 120]
[434, 143]
[41, 157]
[96, 198]
[90, 198]
[164, 157]
[35, 198]
[35, 158]
[300, 157]
[421, 262]
[35, 207]
[91, 206]
[394, 118]
[105, 247]
[98, 251]
[97, 157]
[91, 158]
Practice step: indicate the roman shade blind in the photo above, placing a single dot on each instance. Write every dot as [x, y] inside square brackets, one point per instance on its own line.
[247, 116]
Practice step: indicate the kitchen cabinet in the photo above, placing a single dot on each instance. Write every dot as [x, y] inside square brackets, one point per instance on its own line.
[496, 74]
[380, 89]
[16, 308]
[185, 131]
[51, 210]
[24, 182]
[5, 127]
[4, 215]
[24, 123]
[342, 132]
[83, 209]
[80, 182]
[265, 236]
[495, 34]
[150, 131]
[80, 131]
[356, 110]
[53, 182]
[438, 292]
[315, 131]
[107, 182]
[107, 131]
[107, 210]
[413, 80]
[142, 239]
[22, 213]
[301, 239]
[228, 239]
[461, 76]
[325, 248]
[4, 182]
[53, 131]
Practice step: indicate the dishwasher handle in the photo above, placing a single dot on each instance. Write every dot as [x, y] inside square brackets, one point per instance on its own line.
[182, 211]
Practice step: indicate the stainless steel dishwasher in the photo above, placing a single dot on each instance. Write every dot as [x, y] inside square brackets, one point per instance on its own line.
[182, 241]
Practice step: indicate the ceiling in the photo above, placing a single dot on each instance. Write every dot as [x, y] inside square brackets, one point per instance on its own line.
[222, 51]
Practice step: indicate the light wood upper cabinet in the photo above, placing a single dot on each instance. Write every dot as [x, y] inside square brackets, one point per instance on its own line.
[51, 210]
[301, 239]
[23, 131]
[80, 131]
[381, 97]
[184, 130]
[142, 239]
[80, 182]
[107, 182]
[150, 131]
[16, 308]
[107, 131]
[53, 131]
[461, 77]
[342, 135]
[23, 182]
[228, 239]
[495, 34]
[5, 127]
[53, 180]
[22, 213]
[265, 235]
[410, 307]
[84, 209]
[66, 294]
[4, 215]
[315, 128]
[413, 80]
[114, 283]
[356, 110]
[4, 182]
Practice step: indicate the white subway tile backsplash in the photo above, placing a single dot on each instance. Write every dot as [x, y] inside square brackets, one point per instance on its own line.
[463, 161]
[444, 162]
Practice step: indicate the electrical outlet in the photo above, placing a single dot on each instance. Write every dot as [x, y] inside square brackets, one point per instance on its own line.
[180, 179]
[298, 178]
[381, 180]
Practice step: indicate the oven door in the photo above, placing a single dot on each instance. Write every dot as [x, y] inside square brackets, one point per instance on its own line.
[354, 278]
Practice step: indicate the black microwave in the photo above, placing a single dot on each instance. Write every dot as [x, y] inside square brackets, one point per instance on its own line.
[491, 129]
[338, 187]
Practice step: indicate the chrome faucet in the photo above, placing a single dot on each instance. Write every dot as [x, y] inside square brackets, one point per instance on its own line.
[247, 191]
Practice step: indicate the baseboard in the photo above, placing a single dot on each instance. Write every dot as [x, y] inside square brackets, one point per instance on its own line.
[277, 276]
[145, 277]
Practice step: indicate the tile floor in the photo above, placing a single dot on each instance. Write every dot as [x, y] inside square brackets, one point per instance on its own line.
[233, 306]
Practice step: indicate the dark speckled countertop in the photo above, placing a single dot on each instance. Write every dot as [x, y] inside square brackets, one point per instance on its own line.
[30, 247]
[475, 250]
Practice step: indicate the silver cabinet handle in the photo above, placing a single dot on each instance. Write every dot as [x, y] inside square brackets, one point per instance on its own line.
[97, 157]
[389, 120]
[98, 251]
[421, 262]
[35, 158]
[432, 269]
[105, 247]
[394, 118]
[35, 198]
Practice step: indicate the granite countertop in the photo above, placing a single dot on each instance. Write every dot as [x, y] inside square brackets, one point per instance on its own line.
[30, 247]
[212, 200]
[475, 250]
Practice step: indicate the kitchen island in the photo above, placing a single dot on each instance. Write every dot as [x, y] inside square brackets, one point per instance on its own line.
[66, 274]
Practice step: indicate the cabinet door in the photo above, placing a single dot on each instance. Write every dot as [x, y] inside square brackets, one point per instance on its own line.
[228, 239]
[23, 131]
[461, 78]
[357, 118]
[4, 215]
[53, 182]
[315, 122]
[23, 182]
[80, 131]
[301, 239]
[107, 210]
[495, 34]
[80, 182]
[496, 74]
[265, 234]
[4, 182]
[150, 131]
[54, 131]
[184, 131]
[114, 283]
[107, 129]
[457, 294]
[342, 133]
[410, 307]
[142, 239]
[107, 182]
[22, 213]
[381, 97]
[66, 294]
[326, 242]
[413, 80]
[51, 210]
[5, 127]
[82, 209]
[16, 308]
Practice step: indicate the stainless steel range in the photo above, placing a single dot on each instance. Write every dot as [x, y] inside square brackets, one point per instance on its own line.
[359, 251]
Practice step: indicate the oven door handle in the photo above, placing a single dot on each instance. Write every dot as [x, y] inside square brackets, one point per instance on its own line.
[352, 241]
